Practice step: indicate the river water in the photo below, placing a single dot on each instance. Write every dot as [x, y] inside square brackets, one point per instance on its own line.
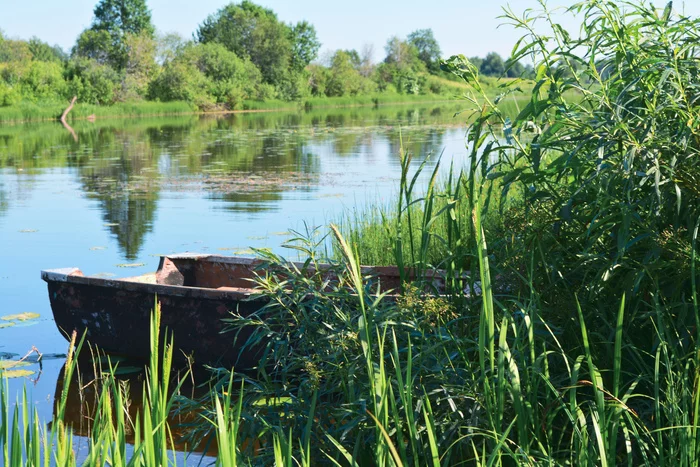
[119, 192]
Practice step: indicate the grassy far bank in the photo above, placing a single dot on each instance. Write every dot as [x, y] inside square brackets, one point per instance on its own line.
[568, 329]
[51, 110]
[29, 112]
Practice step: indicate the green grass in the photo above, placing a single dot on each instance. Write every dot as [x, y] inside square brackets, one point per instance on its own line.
[40, 111]
[29, 111]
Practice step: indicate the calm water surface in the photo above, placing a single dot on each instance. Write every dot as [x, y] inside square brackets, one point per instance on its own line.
[124, 191]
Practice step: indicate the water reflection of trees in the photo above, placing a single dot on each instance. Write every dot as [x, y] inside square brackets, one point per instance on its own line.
[124, 164]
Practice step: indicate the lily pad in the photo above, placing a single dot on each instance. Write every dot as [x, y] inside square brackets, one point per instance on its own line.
[8, 364]
[26, 316]
[7, 325]
[16, 373]
[130, 265]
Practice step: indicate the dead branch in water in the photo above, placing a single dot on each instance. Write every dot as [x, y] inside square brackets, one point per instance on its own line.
[68, 109]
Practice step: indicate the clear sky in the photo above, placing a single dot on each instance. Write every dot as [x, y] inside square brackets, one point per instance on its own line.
[470, 27]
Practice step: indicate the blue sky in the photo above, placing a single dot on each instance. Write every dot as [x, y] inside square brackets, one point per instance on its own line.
[470, 27]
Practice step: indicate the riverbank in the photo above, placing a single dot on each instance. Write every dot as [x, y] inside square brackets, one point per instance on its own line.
[36, 112]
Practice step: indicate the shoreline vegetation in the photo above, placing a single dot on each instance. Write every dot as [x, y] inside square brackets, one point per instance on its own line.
[51, 112]
[242, 57]
[566, 330]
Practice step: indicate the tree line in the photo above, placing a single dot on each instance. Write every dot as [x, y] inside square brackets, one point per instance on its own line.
[241, 52]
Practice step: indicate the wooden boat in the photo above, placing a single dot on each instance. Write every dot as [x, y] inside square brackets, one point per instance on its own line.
[195, 293]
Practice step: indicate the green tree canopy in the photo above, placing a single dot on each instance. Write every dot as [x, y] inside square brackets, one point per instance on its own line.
[208, 74]
[514, 69]
[14, 51]
[114, 21]
[305, 45]
[253, 32]
[120, 17]
[94, 45]
[492, 65]
[427, 46]
[43, 52]
[343, 76]
[401, 53]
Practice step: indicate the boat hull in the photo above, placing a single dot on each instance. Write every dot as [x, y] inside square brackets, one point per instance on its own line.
[115, 317]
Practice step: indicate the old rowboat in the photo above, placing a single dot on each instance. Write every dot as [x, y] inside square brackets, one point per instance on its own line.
[195, 293]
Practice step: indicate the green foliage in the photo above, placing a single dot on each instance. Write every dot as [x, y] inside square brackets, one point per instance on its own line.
[427, 46]
[14, 51]
[43, 80]
[120, 17]
[140, 66]
[492, 65]
[93, 82]
[401, 54]
[9, 95]
[180, 80]
[253, 32]
[317, 79]
[168, 46]
[43, 52]
[95, 45]
[343, 77]
[305, 45]
[245, 55]
[208, 74]
[107, 40]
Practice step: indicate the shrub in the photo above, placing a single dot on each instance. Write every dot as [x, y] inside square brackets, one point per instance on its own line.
[91, 81]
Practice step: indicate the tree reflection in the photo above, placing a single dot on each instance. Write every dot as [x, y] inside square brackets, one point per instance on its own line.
[245, 163]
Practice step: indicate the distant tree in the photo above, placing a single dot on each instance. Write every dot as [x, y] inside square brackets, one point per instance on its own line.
[343, 77]
[318, 78]
[168, 45]
[400, 53]
[43, 80]
[91, 81]
[476, 61]
[366, 60]
[514, 69]
[121, 17]
[140, 66]
[354, 58]
[43, 52]
[14, 51]
[113, 22]
[305, 45]
[492, 65]
[529, 72]
[95, 45]
[251, 31]
[427, 46]
[208, 74]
